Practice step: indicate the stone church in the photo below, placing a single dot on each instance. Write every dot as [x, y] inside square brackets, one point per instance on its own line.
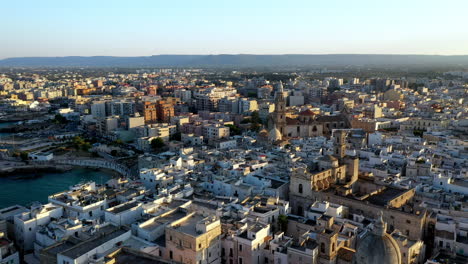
[306, 124]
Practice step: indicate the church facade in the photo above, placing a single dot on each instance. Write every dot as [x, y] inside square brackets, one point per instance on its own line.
[307, 124]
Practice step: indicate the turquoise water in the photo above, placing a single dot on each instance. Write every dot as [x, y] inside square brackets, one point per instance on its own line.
[24, 191]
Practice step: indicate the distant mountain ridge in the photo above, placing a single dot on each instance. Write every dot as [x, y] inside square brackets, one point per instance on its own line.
[239, 60]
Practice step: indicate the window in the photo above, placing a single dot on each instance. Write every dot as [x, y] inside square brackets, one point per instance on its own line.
[230, 252]
[240, 247]
[322, 247]
[300, 188]
[408, 221]
[333, 247]
[199, 245]
[240, 261]
[170, 254]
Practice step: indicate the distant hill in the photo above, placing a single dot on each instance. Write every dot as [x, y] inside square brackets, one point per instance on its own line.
[241, 60]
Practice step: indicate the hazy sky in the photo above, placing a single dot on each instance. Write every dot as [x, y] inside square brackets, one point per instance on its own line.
[143, 28]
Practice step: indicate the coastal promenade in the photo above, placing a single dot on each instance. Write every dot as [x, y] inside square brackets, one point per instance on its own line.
[64, 164]
[96, 163]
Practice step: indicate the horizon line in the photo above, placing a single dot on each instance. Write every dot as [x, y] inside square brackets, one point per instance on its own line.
[248, 54]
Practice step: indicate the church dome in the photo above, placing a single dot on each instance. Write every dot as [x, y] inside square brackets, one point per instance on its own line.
[275, 135]
[263, 134]
[377, 247]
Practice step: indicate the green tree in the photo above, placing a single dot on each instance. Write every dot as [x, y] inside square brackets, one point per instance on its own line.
[234, 130]
[255, 121]
[78, 142]
[177, 136]
[255, 117]
[60, 119]
[24, 155]
[157, 143]
[86, 146]
[283, 222]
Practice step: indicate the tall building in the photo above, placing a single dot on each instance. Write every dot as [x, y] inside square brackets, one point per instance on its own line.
[150, 112]
[98, 109]
[165, 111]
[122, 108]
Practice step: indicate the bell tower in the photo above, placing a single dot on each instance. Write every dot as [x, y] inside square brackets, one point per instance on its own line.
[340, 143]
[279, 116]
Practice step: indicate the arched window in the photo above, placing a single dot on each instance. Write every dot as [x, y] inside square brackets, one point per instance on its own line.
[314, 128]
[300, 188]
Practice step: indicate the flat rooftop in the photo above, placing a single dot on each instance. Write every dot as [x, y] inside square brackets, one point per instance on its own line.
[461, 182]
[123, 208]
[385, 196]
[124, 257]
[189, 225]
[164, 220]
[86, 246]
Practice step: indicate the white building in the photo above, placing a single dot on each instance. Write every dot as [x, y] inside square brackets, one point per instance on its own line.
[153, 177]
[451, 185]
[26, 224]
[124, 214]
[40, 156]
[94, 250]
[81, 202]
